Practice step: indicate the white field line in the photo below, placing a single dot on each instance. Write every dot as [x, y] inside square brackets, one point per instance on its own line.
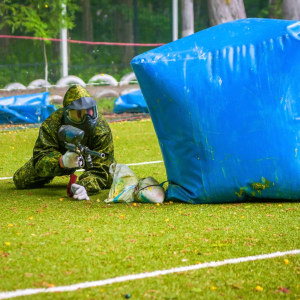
[80, 170]
[83, 285]
[146, 163]
[3, 178]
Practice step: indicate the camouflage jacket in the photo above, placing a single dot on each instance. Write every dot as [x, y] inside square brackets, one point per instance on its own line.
[48, 149]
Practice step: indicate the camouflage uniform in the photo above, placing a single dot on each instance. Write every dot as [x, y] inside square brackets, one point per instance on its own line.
[44, 165]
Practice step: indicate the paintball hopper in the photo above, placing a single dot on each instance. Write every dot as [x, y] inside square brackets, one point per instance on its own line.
[70, 134]
[148, 190]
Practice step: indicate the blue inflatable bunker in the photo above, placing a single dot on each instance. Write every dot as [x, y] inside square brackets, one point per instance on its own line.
[34, 108]
[225, 103]
[133, 102]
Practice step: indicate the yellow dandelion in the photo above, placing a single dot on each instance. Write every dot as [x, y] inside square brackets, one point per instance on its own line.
[134, 204]
[286, 261]
[258, 288]
[7, 243]
[30, 218]
[213, 288]
[157, 204]
[61, 199]
[10, 225]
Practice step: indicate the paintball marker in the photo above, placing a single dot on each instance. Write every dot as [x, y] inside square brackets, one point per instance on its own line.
[72, 136]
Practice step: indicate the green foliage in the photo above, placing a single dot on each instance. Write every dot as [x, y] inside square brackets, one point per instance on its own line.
[40, 19]
[262, 9]
[33, 17]
[105, 105]
[23, 60]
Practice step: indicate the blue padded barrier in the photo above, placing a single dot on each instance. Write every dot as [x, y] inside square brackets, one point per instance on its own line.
[133, 102]
[34, 108]
[225, 104]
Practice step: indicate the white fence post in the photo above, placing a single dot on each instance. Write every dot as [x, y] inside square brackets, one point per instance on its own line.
[64, 47]
[175, 19]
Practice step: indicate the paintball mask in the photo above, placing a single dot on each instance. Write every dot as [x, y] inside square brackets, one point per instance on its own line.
[82, 114]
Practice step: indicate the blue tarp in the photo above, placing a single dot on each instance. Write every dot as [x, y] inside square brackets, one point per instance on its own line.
[34, 108]
[225, 103]
[133, 102]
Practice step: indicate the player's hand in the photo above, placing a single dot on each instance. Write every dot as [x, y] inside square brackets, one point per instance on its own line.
[72, 160]
[79, 192]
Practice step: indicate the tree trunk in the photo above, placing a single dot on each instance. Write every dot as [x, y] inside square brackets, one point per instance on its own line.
[221, 11]
[187, 17]
[5, 43]
[273, 9]
[201, 19]
[291, 9]
[124, 29]
[87, 21]
[87, 27]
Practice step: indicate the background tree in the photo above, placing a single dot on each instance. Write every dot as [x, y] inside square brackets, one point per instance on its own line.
[22, 60]
[5, 42]
[40, 19]
[275, 11]
[291, 9]
[187, 17]
[87, 20]
[221, 11]
[124, 27]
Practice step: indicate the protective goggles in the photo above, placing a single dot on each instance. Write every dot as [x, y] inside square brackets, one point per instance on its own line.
[79, 115]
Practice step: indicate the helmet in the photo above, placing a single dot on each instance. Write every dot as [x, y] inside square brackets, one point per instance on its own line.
[80, 109]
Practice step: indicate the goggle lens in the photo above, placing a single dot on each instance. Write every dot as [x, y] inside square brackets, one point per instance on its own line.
[79, 115]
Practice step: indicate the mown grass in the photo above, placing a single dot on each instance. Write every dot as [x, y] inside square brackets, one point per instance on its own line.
[46, 239]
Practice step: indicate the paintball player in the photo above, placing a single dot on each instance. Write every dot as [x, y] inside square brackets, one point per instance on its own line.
[50, 158]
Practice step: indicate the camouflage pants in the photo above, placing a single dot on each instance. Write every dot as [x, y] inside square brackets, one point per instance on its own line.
[26, 177]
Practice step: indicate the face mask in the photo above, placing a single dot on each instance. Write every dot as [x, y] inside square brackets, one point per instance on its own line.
[84, 119]
[79, 116]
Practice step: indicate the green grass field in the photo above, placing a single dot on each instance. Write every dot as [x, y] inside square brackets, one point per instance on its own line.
[47, 240]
